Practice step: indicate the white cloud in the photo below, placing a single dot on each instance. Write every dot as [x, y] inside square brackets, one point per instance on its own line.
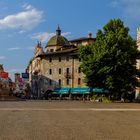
[23, 49]
[45, 36]
[21, 31]
[14, 48]
[27, 6]
[2, 57]
[66, 34]
[27, 19]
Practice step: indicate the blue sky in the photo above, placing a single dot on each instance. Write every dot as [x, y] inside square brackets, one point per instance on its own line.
[24, 22]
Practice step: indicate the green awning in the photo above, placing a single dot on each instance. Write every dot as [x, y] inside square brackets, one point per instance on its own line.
[99, 90]
[61, 91]
[80, 90]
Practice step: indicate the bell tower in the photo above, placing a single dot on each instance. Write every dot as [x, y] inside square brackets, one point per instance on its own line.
[138, 44]
[138, 38]
[38, 49]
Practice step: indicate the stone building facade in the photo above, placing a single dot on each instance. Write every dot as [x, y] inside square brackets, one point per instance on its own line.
[63, 69]
[83, 41]
[138, 44]
[57, 66]
[137, 95]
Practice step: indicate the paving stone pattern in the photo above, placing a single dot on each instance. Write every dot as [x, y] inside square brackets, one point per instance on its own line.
[68, 124]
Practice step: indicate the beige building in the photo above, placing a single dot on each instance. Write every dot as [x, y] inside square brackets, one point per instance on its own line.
[138, 44]
[83, 41]
[59, 65]
[137, 95]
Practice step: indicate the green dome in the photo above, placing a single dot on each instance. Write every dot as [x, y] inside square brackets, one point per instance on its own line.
[58, 40]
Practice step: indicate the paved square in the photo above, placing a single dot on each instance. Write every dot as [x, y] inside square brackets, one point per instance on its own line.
[69, 120]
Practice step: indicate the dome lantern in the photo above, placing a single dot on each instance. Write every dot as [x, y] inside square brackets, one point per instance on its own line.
[58, 31]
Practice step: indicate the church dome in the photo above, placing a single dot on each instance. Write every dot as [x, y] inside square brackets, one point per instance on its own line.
[58, 39]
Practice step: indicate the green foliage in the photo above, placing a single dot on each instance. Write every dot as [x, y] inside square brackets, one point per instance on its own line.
[110, 63]
[100, 98]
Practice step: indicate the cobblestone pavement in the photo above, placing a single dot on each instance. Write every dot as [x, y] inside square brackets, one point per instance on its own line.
[69, 120]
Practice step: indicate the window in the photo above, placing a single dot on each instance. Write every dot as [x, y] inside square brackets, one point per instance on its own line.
[67, 58]
[79, 81]
[59, 70]
[59, 82]
[50, 82]
[50, 60]
[79, 70]
[67, 70]
[51, 50]
[59, 59]
[50, 71]
[68, 81]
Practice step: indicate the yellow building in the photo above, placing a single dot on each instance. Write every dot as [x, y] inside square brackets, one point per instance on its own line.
[59, 65]
[83, 41]
[137, 95]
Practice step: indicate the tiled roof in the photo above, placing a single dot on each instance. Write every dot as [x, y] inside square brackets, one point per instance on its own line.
[73, 50]
[57, 40]
[82, 39]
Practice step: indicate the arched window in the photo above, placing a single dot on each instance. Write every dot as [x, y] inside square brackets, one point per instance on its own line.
[67, 70]
[68, 81]
[59, 70]
[50, 71]
[59, 82]
[79, 70]
[79, 81]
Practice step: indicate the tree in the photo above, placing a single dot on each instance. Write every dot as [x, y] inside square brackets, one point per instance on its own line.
[110, 63]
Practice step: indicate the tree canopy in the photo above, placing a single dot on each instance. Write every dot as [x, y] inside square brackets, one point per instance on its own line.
[110, 62]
